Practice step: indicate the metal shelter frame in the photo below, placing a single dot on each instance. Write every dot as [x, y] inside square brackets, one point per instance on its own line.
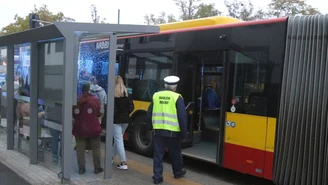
[68, 32]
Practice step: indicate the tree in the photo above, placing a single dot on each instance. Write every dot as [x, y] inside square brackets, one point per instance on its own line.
[260, 14]
[22, 23]
[282, 8]
[171, 18]
[241, 10]
[150, 19]
[161, 19]
[207, 10]
[188, 8]
[191, 9]
[95, 16]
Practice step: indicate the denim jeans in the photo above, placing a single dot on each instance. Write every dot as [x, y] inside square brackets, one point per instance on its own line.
[118, 147]
[56, 136]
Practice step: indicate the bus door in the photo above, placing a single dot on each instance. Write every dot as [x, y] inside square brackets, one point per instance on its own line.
[246, 116]
[204, 82]
[186, 70]
[209, 101]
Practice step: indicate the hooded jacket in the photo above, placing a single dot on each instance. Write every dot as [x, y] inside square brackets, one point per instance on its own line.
[100, 93]
[86, 113]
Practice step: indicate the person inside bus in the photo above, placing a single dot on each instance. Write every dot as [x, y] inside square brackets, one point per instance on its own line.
[210, 99]
[87, 129]
[123, 107]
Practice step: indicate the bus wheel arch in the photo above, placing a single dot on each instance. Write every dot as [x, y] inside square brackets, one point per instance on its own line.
[141, 138]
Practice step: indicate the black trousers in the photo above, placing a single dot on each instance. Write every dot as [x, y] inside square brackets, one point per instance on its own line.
[174, 149]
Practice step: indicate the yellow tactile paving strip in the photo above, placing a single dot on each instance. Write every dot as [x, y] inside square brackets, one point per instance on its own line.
[148, 170]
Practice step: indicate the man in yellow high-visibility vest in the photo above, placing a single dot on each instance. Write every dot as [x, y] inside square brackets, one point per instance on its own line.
[169, 124]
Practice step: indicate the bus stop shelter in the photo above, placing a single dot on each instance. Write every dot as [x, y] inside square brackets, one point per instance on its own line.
[69, 35]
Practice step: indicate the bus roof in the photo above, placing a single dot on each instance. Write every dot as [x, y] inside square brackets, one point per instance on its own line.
[208, 21]
[193, 27]
[228, 25]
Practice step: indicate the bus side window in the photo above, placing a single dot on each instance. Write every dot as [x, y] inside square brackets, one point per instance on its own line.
[145, 72]
[247, 82]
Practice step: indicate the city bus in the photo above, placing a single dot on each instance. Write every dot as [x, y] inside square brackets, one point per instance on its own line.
[239, 81]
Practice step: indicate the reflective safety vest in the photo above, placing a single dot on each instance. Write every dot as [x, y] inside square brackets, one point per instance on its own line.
[165, 112]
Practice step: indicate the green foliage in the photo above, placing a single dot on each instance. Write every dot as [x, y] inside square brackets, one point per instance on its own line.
[22, 23]
[240, 9]
[277, 8]
[207, 10]
[282, 8]
[189, 9]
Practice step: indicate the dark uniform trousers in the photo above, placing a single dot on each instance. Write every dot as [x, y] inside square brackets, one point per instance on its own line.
[84, 143]
[174, 148]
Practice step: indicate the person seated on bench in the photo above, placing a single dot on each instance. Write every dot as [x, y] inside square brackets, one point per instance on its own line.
[210, 98]
[23, 111]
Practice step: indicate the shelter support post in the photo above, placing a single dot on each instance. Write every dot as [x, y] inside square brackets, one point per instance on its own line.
[67, 109]
[10, 97]
[34, 104]
[110, 107]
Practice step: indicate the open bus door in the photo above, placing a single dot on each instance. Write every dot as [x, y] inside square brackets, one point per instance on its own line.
[204, 101]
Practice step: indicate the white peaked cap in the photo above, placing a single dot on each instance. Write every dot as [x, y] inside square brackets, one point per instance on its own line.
[171, 80]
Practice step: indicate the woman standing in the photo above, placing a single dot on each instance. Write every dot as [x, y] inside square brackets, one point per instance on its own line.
[122, 109]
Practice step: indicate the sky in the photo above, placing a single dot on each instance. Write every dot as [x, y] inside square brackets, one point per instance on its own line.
[132, 11]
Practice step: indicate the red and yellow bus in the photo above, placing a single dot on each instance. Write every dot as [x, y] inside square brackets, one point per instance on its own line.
[237, 79]
[235, 59]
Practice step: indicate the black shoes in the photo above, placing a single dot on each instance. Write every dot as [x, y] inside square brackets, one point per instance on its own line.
[98, 170]
[177, 176]
[158, 181]
[181, 174]
[81, 171]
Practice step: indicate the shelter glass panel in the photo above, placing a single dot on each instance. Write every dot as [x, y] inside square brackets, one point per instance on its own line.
[50, 102]
[3, 75]
[92, 69]
[22, 59]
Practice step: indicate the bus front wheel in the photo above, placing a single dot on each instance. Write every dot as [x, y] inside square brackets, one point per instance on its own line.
[141, 139]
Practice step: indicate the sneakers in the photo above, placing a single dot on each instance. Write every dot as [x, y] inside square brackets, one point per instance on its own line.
[122, 166]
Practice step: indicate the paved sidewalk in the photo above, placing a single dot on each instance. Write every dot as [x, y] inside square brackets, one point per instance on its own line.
[40, 175]
[140, 171]
[9, 177]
